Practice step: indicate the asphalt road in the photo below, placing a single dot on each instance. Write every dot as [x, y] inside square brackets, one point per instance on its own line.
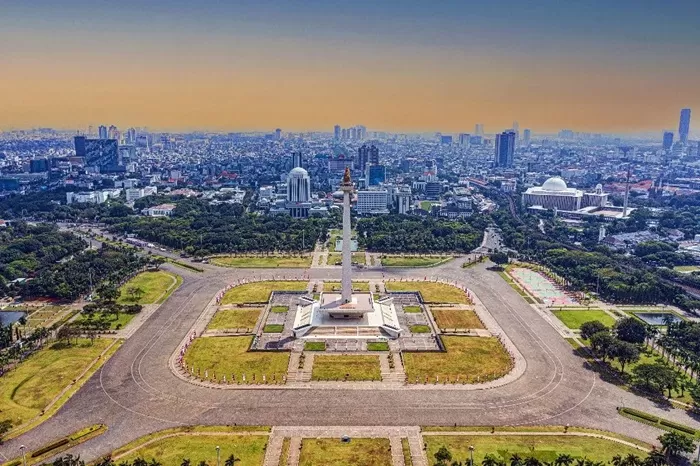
[135, 393]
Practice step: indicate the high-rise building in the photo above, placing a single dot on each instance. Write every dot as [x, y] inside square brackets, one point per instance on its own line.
[668, 140]
[505, 148]
[112, 132]
[447, 140]
[527, 135]
[297, 160]
[278, 134]
[353, 133]
[479, 129]
[102, 132]
[131, 136]
[464, 139]
[101, 153]
[373, 155]
[362, 157]
[684, 126]
[336, 132]
[376, 174]
[344, 134]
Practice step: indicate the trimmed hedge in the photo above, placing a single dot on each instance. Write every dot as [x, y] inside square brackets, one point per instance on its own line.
[51, 446]
[681, 427]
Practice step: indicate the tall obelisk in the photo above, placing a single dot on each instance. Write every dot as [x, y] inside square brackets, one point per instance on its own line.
[346, 283]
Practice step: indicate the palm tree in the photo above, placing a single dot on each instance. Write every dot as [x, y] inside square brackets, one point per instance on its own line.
[185, 462]
[231, 461]
[532, 461]
[564, 459]
[516, 460]
[489, 460]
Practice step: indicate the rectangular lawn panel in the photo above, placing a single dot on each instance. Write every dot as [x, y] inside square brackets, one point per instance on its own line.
[30, 387]
[230, 355]
[574, 319]
[234, 318]
[273, 328]
[544, 448]
[471, 358]
[315, 346]
[455, 318]
[259, 292]
[432, 292]
[154, 287]
[420, 329]
[412, 261]
[412, 309]
[337, 367]
[263, 261]
[279, 309]
[357, 452]
[170, 451]
[358, 258]
[377, 346]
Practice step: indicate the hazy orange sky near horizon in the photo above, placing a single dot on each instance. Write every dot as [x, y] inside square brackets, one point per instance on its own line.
[182, 73]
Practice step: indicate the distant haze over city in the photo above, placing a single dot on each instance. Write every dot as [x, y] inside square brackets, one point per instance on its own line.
[395, 66]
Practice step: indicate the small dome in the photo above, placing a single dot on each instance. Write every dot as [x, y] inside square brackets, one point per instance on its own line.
[554, 183]
[338, 194]
[298, 172]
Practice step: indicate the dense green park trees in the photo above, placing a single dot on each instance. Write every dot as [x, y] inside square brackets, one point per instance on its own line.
[403, 233]
[202, 229]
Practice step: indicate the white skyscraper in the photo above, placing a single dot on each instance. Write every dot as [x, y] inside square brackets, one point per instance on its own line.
[298, 193]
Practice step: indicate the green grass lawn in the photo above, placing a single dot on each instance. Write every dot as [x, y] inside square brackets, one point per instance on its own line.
[574, 319]
[356, 286]
[156, 287]
[412, 261]
[279, 309]
[357, 452]
[335, 258]
[229, 355]
[259, 292]
[377, 346]
[115, 322]
[432, 292]
[358, 258]
[544, 448]
[171, 451]
[420, 329]
[455, 318]
[412, 309]
[28, 389]
[263, 261]
[234, 318]
[425, 205]
[315, 346]
[337, 367]
[273, 328]
[470, 358]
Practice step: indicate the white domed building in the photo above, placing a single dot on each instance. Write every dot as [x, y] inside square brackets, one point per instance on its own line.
[553, 194]
[298, 193]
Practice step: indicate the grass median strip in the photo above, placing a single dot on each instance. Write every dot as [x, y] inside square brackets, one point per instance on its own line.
[262, 261]
[574, 319]
[234, 318]
[151, 287]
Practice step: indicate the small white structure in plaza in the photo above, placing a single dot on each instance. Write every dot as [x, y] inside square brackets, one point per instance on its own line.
[346, 314]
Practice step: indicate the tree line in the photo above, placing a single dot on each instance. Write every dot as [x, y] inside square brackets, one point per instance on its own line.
[405, 233]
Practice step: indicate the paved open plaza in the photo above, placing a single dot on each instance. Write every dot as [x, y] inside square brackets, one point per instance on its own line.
[136, 392]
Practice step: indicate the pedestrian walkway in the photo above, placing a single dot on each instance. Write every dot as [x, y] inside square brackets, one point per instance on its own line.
[273, 451]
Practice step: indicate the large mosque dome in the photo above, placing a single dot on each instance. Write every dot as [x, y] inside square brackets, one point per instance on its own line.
[554, 183]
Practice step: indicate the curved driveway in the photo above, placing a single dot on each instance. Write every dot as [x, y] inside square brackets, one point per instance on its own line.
[135, 393]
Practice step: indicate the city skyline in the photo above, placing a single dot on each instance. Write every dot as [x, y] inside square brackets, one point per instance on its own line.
[402, 67]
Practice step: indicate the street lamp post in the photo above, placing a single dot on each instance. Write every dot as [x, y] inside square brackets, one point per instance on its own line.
[23, 449]
[471, 455]
[218, 455]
